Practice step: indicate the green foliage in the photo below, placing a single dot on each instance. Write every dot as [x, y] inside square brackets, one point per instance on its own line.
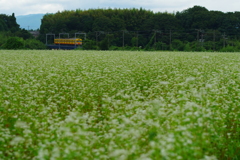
[150, 42]
[102, 24]
[3, 39]
[229, 48]
[177, 45]
[14, 43]
[34, 44]
[12, 37]
[8, 23]
[24, 34]
[89, 45]
[103, 45]
[3, 26]
[114, 48]
[188, 47]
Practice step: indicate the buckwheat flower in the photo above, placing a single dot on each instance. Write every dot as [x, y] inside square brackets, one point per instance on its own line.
[208, 85]
[170, 138]
[209, 158]
[118, 153]
[164, 153]
[27, 132]
[152, 144]
[190, 79]
[21, 124]
[164, 82]
[189, 141]
[144, 157]
[42, 153]
[17, 140]
[7, 102]
[127, 121]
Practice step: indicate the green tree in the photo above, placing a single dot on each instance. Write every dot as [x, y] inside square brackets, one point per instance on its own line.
[102, 24]
[24, 34]
[8, 23]
[3, 38]
[3, 26]
[193, 18]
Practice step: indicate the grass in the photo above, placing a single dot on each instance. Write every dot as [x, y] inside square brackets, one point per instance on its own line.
[119, 105]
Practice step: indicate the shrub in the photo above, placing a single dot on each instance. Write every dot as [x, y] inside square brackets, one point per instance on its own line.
[14, 43]
[34, 44]
[89, 45]
[229, 49]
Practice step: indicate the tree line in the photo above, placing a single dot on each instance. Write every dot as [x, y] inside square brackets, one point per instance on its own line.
[195, 28]
[13, 37]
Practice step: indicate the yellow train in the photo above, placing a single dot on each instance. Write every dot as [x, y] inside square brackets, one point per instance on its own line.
[68, 41]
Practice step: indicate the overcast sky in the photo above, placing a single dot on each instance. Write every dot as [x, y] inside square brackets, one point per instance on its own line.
[24, 7]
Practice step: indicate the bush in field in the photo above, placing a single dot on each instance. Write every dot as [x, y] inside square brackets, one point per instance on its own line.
[187, 47]
[14, 43]
[103, 45]
[34, 44]
[113, 48]
[89, 45]
[177, 45]
[229, 49]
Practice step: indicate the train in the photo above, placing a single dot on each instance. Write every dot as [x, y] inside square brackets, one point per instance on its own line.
[68, 41]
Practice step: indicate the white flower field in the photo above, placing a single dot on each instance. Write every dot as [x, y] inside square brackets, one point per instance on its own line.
[119, 105]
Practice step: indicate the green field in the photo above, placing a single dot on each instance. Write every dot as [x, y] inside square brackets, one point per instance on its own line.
[119, 105]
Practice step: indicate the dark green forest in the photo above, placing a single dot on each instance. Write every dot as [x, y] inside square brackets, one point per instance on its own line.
[193, 29]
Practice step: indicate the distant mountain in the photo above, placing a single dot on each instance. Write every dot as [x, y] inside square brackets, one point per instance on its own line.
[30, 22]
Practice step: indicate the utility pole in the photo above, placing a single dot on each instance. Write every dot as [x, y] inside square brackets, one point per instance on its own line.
[108, 38]
[199, 40]
[137, 38]
[49, 34]
[60, 38]
[155, 37]
[78, 33]
[224, 40]
[123, 38]
[214, 39]
[96, 38]
[198, 34]
[161, 34]
[202, 40]
[97, 35]
[170, 39]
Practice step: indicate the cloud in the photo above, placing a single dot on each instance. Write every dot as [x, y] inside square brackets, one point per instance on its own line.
[22, 7]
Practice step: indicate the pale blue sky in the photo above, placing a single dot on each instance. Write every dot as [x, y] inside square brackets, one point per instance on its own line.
[24, 7]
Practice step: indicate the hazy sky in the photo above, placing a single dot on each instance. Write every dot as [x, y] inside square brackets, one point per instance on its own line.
[23, 7]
